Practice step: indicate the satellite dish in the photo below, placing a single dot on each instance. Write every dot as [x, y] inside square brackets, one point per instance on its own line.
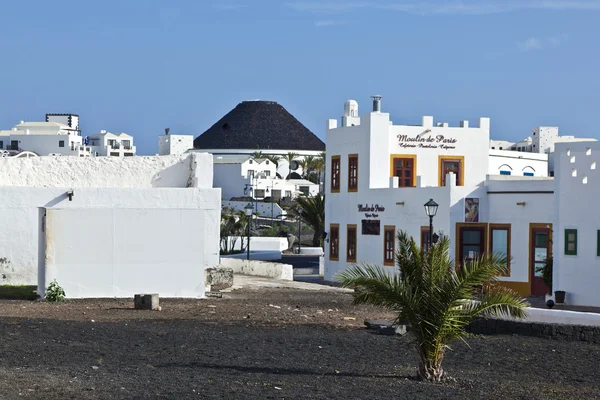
[294, 165]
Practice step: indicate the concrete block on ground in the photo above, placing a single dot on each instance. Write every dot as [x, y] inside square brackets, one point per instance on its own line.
[146, 301]
[218, 278]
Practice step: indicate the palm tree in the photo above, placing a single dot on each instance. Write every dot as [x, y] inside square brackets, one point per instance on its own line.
[313, 215]
[290, 157]
[435, 298]
[258, 155]
[274, 159]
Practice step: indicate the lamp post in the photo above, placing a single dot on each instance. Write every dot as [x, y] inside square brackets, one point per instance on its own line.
[431, 208]
[248, 210]
[271, 186]
[299, 230]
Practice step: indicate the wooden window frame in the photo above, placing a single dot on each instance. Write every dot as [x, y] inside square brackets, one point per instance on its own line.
[572, 252]
[351, 158]
[335, 188]
[460, 159]
[412, 157]
[334, 238]
[423, 230]
[349, 229]
[458, 226]
[387, 229]
[501, 227]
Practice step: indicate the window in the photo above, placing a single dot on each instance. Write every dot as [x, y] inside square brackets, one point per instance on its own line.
[335, 174]
[389, 245]
[351, 243]
[425, 238]
[404, 169]
[453, 165]
[250, 162]
[493, 148]
[499, 148]
[353, 172]
[527, 173]
[251, 173]
[504, 172]
[61, 143]
[267, 173]
[570, 242]
[288, 193]
[500, 243]
[1, 144]
[267, 162]
[334, 242]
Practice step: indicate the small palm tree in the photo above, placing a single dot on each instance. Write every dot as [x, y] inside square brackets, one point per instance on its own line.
[308, 165]
[436, 299]
[258, 155]
[313, 215]
[290, 157]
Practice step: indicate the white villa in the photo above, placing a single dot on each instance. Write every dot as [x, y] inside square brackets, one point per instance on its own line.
[380, 175]
[114, 145]
[58, 135]
[239, 176]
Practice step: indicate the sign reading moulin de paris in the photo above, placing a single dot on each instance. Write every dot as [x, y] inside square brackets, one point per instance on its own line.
[370, 210]
[426, 142]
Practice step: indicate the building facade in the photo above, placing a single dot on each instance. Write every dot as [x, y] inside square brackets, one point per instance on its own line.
[174, 144]
[113, 145]
[380, 175]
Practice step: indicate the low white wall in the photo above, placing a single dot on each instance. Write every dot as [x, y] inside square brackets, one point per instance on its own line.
[259, 243]
[262, 255]
[551, 316]
[260, 268]
[188, 170]
[312, 251]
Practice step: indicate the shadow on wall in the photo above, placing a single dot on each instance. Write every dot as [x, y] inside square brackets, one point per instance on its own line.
[176, 175]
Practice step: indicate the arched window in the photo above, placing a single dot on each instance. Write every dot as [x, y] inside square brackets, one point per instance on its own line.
[528, 171]
[505, 169]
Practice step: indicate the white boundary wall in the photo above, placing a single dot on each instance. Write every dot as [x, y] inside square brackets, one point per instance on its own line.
[260, 268]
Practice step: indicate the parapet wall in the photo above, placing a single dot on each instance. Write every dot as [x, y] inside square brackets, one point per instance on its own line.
[187, 170]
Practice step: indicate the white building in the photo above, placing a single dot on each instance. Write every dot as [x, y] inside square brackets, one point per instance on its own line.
[174, 144]
[262, 126]
[577, 222]
[380, 175]
[542, 141]
[58, 135]
[114, 145]
[108, 226]
[241, 176]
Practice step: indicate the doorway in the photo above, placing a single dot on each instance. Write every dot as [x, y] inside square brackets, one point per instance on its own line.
[540, 248]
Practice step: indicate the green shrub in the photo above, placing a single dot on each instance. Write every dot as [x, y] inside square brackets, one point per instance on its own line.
[55, 292]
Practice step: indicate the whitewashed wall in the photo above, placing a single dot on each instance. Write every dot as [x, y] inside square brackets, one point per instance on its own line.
[189, 170]
[577, 190]
[120, 252]
[518, 163]
[229, 178]
[21, 211]
[174, 144]
[504, 194]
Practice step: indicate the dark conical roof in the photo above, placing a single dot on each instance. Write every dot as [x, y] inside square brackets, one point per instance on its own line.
[259, 125]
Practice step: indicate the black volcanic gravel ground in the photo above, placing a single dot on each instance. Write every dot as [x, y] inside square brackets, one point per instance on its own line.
[193, 350]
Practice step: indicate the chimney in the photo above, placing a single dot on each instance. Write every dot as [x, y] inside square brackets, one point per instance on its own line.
[377, 103]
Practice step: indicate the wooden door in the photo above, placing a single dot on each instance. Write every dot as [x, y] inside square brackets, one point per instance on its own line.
[540, 249]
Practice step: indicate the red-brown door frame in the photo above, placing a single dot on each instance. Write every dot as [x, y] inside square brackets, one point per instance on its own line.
[537, 283]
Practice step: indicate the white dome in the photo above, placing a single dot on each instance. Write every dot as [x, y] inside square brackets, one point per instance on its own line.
[351, 108]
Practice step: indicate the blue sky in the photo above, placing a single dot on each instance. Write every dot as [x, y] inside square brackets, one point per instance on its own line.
[139, 66]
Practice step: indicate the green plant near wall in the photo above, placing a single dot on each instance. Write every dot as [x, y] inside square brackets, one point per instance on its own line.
[55, 292]
[546, 271]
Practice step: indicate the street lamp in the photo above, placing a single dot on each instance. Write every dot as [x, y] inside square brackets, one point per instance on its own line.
[299, 230]
[431, 208]
[248, 210]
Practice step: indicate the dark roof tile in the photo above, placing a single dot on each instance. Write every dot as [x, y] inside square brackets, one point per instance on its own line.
[259, 125]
